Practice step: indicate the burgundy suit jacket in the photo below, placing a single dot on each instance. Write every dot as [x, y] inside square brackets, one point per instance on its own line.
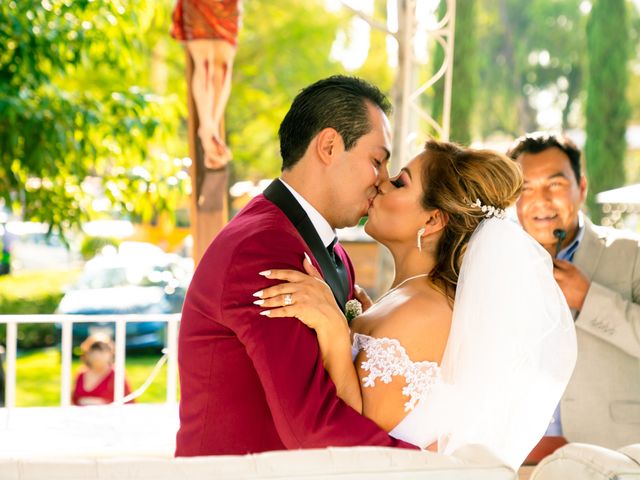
[251, 383]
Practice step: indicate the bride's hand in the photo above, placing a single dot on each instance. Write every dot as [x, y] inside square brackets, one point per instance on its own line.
[302, 295]
[307, 297]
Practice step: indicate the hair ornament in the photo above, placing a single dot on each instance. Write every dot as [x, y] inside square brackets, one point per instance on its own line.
[489, 210]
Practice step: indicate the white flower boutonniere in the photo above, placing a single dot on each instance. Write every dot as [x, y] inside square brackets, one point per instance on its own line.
[353, 308]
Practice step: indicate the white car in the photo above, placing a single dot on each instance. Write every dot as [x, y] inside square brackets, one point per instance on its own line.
[137, 279]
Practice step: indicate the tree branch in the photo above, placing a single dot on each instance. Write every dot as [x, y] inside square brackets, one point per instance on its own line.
[369, 19]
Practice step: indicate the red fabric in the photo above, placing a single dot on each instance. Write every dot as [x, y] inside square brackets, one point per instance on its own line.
[206, 19]
[104, 390]
[250, 383]
[545, 447]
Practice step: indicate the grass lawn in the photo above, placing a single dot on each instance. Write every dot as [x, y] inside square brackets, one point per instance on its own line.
[38, 377]
[29, 284]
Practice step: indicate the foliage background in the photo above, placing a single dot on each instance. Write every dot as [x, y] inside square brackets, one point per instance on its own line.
[275, 59]
[607, 110]
[96, 90]
[76, 102]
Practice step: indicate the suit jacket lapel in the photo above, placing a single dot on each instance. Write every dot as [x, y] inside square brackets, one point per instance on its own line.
[588, 253]
[278, 194]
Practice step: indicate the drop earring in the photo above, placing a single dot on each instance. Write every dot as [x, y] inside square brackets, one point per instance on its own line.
[420, 233]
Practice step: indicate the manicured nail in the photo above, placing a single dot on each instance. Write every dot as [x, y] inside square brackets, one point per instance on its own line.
[258, 302]
[258, 294]
[307, 257]
[266, 273]
[266, 313]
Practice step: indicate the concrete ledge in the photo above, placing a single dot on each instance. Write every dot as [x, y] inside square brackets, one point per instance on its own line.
[137, 442]
[352, 463]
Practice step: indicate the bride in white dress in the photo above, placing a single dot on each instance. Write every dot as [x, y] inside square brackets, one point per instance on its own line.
[474, 342]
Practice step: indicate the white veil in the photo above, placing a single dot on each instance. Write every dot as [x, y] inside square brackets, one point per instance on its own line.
[510, 352]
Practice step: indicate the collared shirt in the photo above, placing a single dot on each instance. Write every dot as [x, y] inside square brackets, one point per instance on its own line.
[567, 253]
[326, 233]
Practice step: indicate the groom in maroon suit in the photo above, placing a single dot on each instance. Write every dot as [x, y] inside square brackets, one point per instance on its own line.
[250, 383]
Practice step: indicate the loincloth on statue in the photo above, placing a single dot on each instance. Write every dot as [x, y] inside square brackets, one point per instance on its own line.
[207, 19]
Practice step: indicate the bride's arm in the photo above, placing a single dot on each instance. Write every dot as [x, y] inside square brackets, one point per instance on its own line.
[335, 346]
[312, 303]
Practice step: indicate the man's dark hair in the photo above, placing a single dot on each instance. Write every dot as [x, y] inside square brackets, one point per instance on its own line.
[337, 102]
[539, 141]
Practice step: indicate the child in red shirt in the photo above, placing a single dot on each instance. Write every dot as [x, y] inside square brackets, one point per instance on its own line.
[95, 383]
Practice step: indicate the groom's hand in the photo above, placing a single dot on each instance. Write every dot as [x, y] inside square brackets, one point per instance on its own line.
[363, 297]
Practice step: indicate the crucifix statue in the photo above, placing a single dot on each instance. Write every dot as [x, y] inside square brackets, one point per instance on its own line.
[209, 31]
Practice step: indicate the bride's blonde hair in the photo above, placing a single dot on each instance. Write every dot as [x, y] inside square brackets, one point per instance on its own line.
[453, 178]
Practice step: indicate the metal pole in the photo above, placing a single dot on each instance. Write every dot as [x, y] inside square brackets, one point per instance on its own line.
[448, 79]
[406, 16]
[10, 374]
[406, 94]
[172, 364]
[65, 374]
[120, 340]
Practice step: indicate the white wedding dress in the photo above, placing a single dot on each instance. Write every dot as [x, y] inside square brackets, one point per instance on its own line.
[510, 353]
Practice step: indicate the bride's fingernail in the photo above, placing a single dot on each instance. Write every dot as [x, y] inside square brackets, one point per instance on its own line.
[258, 294]
[307, 257]
[266, 313]
[258, 302]
[266, 273]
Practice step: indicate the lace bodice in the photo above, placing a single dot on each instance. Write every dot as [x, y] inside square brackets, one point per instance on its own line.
[387, 358]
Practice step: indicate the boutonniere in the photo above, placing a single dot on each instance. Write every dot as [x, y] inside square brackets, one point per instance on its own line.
[353, 308]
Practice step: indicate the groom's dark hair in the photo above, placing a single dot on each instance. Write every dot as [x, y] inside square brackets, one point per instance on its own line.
[337, 102]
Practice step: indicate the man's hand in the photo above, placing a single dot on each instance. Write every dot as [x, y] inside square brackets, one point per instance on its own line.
[573, 283]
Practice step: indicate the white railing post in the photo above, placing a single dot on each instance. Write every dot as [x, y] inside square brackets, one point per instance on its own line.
[120, 340]
[10, 374]
[172, 360]
[65, 375]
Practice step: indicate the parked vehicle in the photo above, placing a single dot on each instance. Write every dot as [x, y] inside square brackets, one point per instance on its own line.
[138, 278]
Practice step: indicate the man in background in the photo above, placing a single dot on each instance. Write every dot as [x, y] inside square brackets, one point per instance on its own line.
[598, 270]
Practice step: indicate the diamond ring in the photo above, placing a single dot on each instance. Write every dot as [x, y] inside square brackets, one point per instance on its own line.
[288, 300]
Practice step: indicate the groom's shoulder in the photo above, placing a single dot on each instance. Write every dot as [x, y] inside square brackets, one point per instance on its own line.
[259, 221]
[260, 216]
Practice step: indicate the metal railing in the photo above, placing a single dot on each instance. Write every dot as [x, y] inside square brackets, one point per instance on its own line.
[67, 321]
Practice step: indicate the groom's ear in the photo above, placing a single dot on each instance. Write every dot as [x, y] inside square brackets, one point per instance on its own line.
[435, 222]
[328, 144]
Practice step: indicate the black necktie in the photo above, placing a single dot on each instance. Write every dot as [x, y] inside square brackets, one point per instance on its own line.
[339, 264]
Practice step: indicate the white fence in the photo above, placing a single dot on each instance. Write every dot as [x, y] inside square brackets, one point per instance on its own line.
[67, 321]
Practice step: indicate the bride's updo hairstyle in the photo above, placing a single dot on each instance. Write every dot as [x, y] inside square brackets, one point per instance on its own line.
[453, 178]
